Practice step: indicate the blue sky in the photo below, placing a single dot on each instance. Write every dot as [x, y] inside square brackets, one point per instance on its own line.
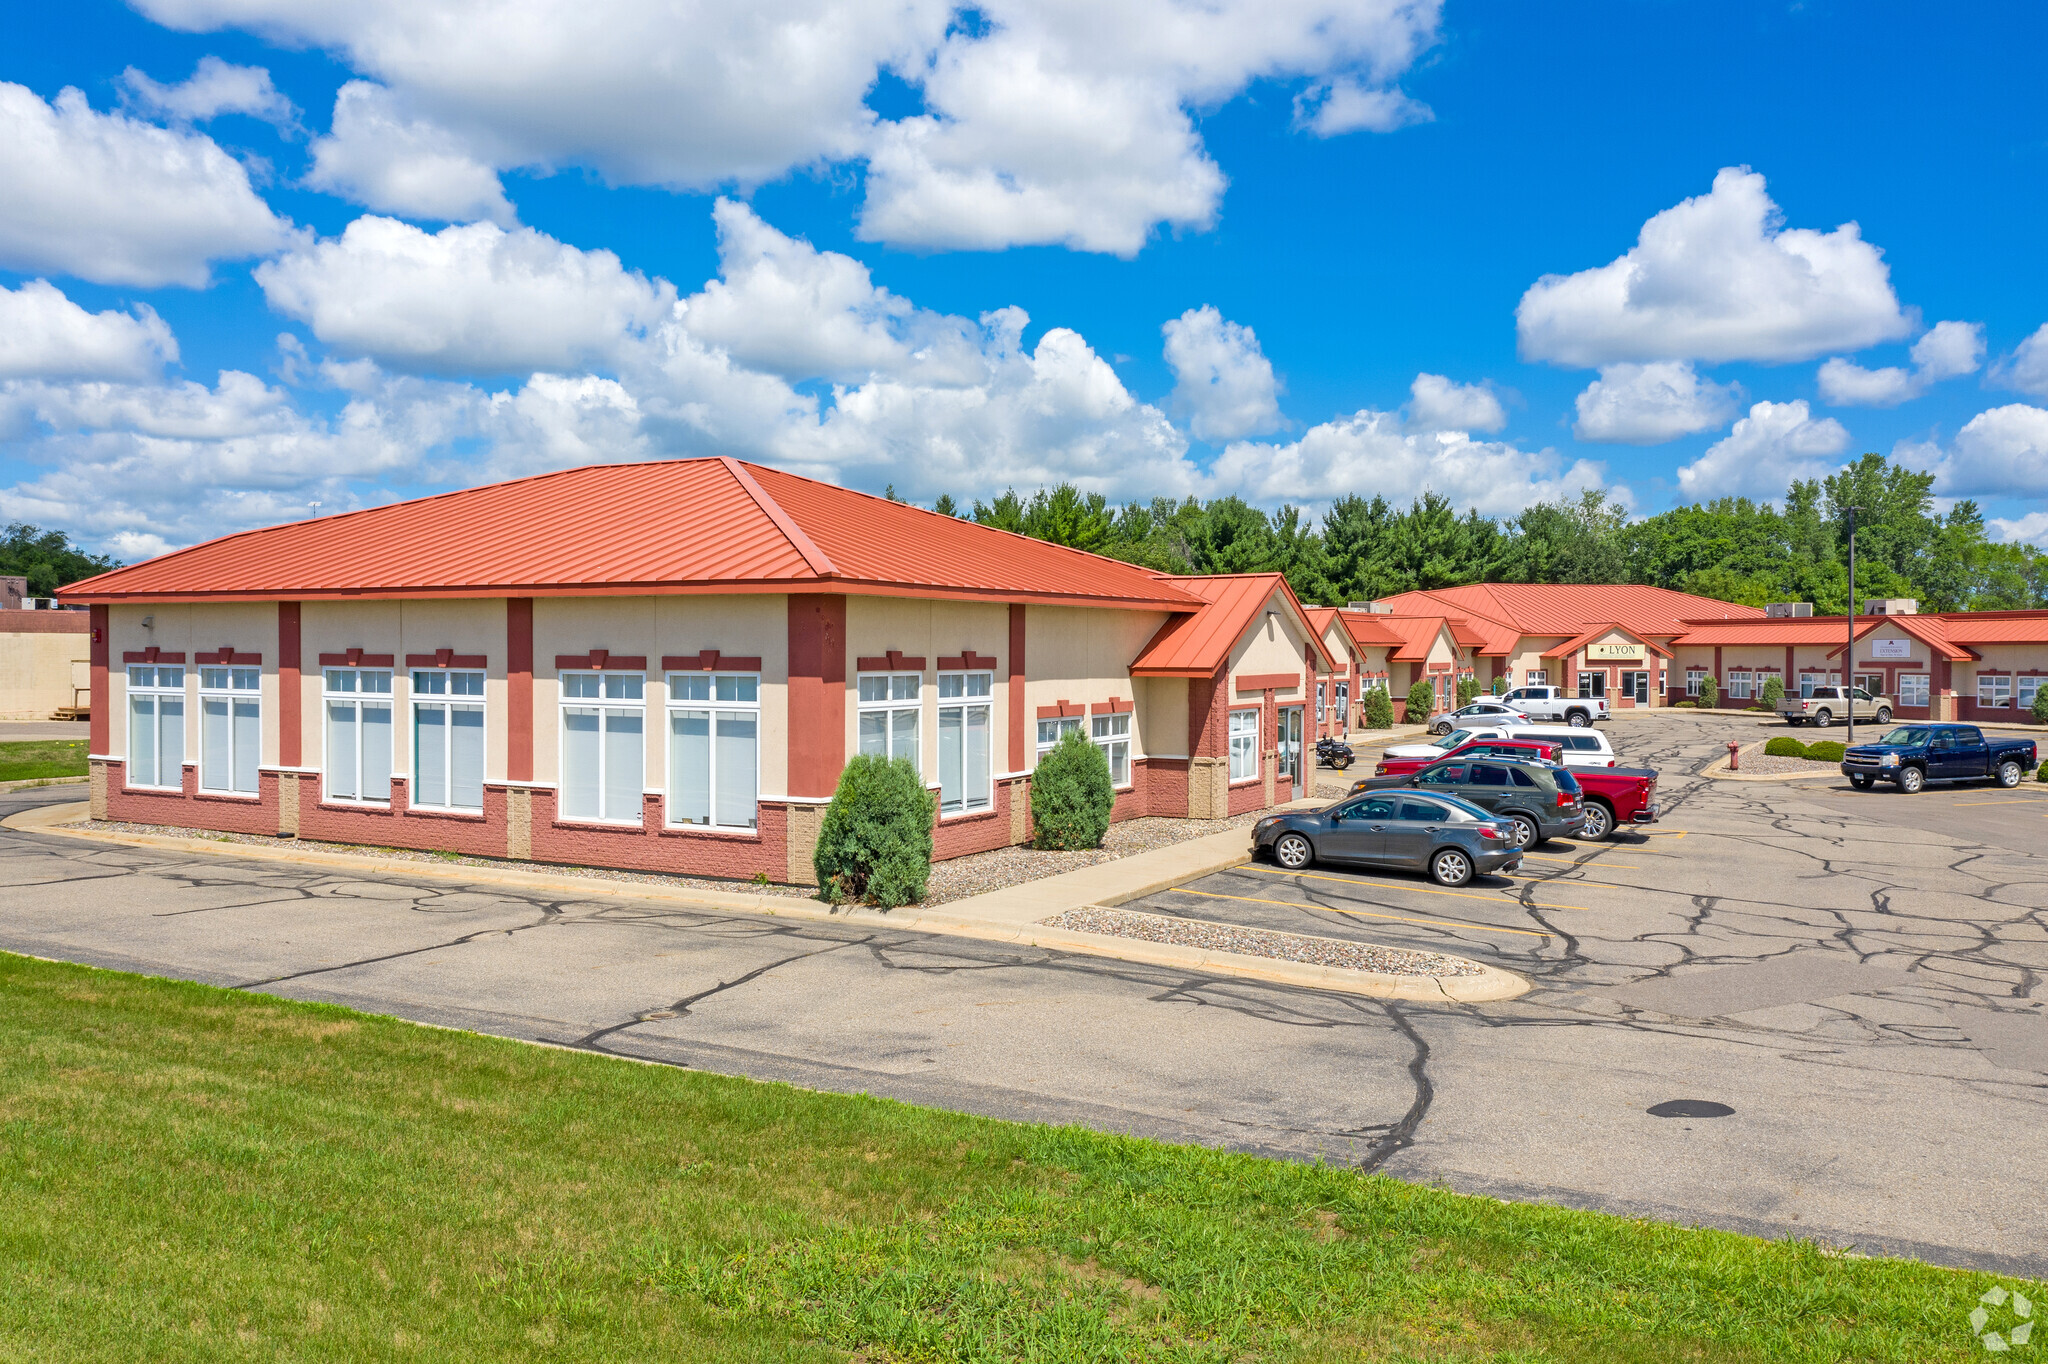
[285, 256]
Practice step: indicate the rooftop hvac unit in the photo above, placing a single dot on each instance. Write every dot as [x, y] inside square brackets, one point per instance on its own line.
[1892, 606]
[1778, 609]
[1377, 608]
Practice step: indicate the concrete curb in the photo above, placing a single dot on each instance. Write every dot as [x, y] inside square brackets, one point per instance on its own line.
[28, 783]
[1008, 915]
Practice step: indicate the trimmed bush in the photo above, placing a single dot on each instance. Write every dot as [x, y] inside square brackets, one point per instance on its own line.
[1499, 687]
[2040, 707]
[1379, 708]
[1710, 693]
[1773, 693]
[875, 846]
[2043, 773]
[1468, 688]
[1071, 794]
[1826, 750]
[1784, 746]
[1421, 701]
[1684, 705]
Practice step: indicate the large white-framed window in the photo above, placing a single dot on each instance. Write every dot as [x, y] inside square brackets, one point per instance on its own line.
[1808, 681]
[604, 745]
[1912, 689]
[714, 750]
[891, 705]
[2029, 686]
[1051, 731]
[357, 703]
[965, 724]
[1536, 677]
[448, 739]
[1994, 690]
[156, 726]
[1113, 736]
[1244, 744]
[1739, 683]
[1695, 678]
[230, 729]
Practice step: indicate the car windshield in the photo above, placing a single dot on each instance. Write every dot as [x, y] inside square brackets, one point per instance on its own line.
[1908, 736]
[1451, 740]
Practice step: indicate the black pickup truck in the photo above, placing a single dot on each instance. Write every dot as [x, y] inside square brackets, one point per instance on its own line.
[1913, 755]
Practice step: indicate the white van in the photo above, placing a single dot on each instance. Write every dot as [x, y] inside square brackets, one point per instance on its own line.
[1586, 747]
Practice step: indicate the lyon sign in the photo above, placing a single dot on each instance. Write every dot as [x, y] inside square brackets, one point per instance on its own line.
[1616, 653]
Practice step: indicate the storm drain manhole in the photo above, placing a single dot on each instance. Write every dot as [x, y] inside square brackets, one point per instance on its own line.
[1689, 1108]
[652, 1014]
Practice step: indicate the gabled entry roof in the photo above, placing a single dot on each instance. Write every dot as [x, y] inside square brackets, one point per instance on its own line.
[670, 526]
[1196, 644]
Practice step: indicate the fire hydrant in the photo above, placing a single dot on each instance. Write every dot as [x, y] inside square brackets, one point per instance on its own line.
[1734, 756]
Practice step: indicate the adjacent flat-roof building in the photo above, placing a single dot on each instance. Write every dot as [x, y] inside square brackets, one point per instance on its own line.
[665, 666]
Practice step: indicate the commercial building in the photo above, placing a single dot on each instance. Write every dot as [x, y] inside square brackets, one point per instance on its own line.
[665, 666]
[42, 656]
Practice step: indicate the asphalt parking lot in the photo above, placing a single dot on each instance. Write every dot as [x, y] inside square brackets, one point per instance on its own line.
[1855, 978]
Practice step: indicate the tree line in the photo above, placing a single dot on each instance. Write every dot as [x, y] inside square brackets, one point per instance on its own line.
[47, 558]
[1731, 548]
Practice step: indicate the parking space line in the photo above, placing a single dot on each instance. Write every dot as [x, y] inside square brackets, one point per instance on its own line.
[1959, 804]
[1577, 862]
[1403, 885]
[1366, 913]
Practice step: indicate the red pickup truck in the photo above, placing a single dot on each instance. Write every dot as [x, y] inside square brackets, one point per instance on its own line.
[1616, 796]
[1477, 748]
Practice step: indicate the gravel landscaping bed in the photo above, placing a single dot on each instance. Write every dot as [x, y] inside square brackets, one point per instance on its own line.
[1764, 765]
[1260, 942]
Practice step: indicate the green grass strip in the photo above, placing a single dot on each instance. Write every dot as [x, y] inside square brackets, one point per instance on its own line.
[189, 1173]
[27, 759]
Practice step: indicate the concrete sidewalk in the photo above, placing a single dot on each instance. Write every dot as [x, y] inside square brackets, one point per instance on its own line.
[1012, 914]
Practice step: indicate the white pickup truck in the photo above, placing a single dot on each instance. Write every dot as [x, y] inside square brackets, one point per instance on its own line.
[1551, 705]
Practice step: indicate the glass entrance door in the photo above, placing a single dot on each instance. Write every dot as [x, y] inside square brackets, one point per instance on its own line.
[1291, 781]
[1635, 687]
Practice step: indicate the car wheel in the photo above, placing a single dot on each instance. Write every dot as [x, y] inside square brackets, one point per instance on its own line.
[1439, 729]
[1911, 780]
[1526, 834]
[1293, 852]
[1823, 718]
[1578, 719]
[2008, 774]
[1450, 867]
[1884, 715]
[1795, 719]
[1599, 822]
[1861, 780]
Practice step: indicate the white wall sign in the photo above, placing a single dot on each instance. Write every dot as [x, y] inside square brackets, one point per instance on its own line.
[1891, 648]
[1616, 653]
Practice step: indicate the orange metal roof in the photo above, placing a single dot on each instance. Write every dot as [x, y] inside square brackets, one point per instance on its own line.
[1196, 643]
[1416, 634]
[1366, 629]
[1567, 609]
[1937, 632]
[1929, 630]
[694, 525]
[1991, 627]
[1572, 646]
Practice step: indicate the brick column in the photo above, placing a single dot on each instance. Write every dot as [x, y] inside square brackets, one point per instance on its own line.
[1209, 745]
[519, 689]
[101, 724]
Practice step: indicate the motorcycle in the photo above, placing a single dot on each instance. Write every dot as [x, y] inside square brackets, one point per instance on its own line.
[1333, 753]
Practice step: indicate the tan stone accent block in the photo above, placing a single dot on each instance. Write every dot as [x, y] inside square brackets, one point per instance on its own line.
[99, 790]
[1208, 788]
[1020, 800]
[288, 804]
[519, 823]
[1270, 766]
[805, 823]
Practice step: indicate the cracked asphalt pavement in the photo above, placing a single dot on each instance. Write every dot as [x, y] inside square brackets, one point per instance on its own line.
[1858, 977]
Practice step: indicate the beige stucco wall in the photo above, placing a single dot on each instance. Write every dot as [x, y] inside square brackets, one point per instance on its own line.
[1161, 714]
[40, 672]
[249, 627]
[741, 625]
[2001, 658]
[930, 630]
[1274, 643]
[1084, 654]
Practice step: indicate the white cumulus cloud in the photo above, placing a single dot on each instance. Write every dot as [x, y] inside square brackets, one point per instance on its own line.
[1775, 444]
[117, 201]
[215, 88]
[1949, 350]
[2030, 529]
[469, 298]
[1653, 403]
[1716, 278]
[1223, 382]
[378, 157]
[2026, 369]
[1435, 403]
[44, 335]
[2002, 452]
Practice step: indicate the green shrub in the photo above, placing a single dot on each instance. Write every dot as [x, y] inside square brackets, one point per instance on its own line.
[1772, 694]
[1826, 751]
[1784, 746]
[1499, 687]
[1421, 701]
[2040, 706]
[1468, 688]
[1710, 693]
[875, 845]
[1071, 795]
[1684, 705]
[1379, 708]
[2043, 773]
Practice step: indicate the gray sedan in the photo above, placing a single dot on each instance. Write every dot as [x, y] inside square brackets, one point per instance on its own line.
[1453, 840]
[1482, 712]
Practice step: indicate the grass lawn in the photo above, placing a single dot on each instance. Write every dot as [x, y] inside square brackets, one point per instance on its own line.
[188, 1173]
[28, 758]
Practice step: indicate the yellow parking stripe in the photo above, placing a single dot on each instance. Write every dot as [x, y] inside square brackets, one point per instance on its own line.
[1367, 913]
[1959, 804]
[1403, 885]
[1576, 862]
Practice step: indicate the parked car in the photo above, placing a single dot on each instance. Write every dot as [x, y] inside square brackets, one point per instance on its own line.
[1452, 839]
[1913, 755]
[1580, 747]
[1554, 706]
[1333, 753]
[1828, 704]
[1538, 801]
[1436, 748]
[1616, 796]
[1476, 713]
[1533, 750]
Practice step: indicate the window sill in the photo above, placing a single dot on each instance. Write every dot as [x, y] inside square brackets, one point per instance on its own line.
[611, 825]
[727, 832]
[447, 812]
[252, 797]
[967, 816]
[382, 807]
[154, 790]
[1246, 781]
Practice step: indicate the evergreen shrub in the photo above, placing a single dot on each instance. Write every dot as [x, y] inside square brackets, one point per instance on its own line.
[1421, 701]
[1468, 687]
[1773, 693]
[1379, 708]
[2040, 707]
[1710, 693]
[1784, 746]
[1826, 750]
[875, 846]
[1071, 795]
[1499, 687]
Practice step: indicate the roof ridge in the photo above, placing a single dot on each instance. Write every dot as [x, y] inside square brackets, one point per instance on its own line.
[819, 562]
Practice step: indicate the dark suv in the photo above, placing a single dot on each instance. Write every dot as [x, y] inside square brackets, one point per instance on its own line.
[1537, 801]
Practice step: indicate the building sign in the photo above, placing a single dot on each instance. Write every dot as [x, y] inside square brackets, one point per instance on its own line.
[1616, 653]
[1891, 648]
